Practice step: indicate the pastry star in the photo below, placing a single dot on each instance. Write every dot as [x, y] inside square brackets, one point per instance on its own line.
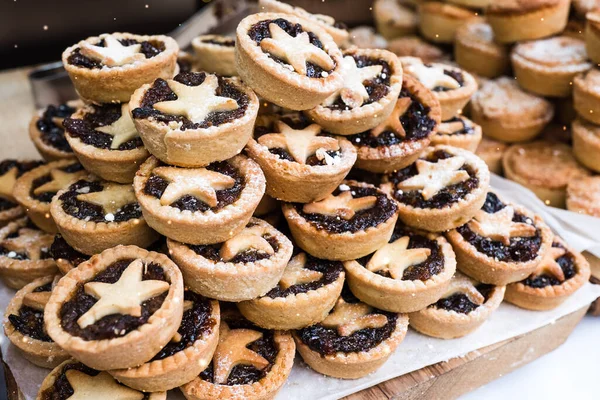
[433, 177]
[36, 300]
[550, 266]
[500, 225]
[464, 285]
[300, 143]
[296, 274]
[7, 183]
[122, 297]
[395, 257]
[296, 51]
[60, 180]
[198, 182]
[353, 93]
[351, 317]
[393, 123]
[432, 77]
[29, 241]
[122, 130]
[342, 205]
[232, 350]
[99, 387]
[113, 53]
[196, 102]
[249, 238]
[112, 198]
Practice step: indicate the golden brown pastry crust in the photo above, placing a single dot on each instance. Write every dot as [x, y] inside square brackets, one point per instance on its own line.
[583, 195]
[394, 19]
[586, 95]
[476, 51]
[464, 141]
[212, 57]
[586, 144]
[414, 46]
[438, 22]
[47, 152]
[491, 151]
[592, 36]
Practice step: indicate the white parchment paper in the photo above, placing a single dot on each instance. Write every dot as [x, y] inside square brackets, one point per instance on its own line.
[416, 351]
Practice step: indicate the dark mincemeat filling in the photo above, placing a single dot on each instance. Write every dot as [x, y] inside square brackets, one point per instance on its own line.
[92, 212]
[115, 325]
[46, 197]
[29, 321]
[445, 197]
[184, 65]
[243, 374]
[52, 134]
[44, 254]
[456, 75]
[196, 324]
[416, 122]
[222, 42]
[156, 186]
[327, 341]
[460, 303]
[60, 249]
[467, 129]
[331, 270]
[261, 31]
[521, 249]
[361, 175]
[377, 88]
[103, 115]
[160, 91]
[567, 264]
[149, 49]
[22, 167]
[383, 210]
[211, 252]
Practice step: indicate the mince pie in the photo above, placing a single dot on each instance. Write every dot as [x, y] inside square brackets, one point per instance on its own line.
[10, 170]
[24, 253]
[562, 272]
[243, 267]
[463, 307]
[414, 46]
[35, 189]
[106, 142]
[301, 162]
[492, 151]
[442, 190]
[195, 118]
[476, 51]
[185, 62]
[503, 243]
[586, 95]
[452, 86]
[583, 195]
[65, 256]
[48, 134]
[394, 19]
[74, 380]
[353, 221]
[586, 144]
[186, 355]
[460, 132]
[287, 60]
[94, 215]
[592, 35]
[438, 22]
[407, 274]
[250, 363]
[306, 292]
[24, 324]
[372, 83]
[401, 138]
[366, 37]
[353, 341]
[110, 67]
[215, 54]
[117, 310]
[200, 205]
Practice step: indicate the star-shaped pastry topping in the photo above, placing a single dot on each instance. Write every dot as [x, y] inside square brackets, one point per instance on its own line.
[549, 266]
[201, 183]
[196, 102]
[112, 198]
[353, 93]
[29, 241]
[433, 177]
[343, 205]
[348, 318]
[300, 143]
[296, 51]
[462, 284]
[7, 183]
[122, 130]
[122, 297]
[432, 77]
[36, 300]
[500, 226]
[296, 274]
[59, 180]
[99, 387]
[393, 123]
[396, 257]
[232, 350]
[113, 53]
[249, 238]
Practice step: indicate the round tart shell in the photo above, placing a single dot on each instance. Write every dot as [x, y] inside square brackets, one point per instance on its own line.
[176, 370]
[388, 24]
[47, 152]
[486, 59]
[592, 36]
[38, 352]
[583, 196]
[438, 22]
[453, 101]
[491, 152]
[273, 81]
[196, 147]
[444, 324]
[198, 227]
[586, 99]
[264, 389]
[213, 58]
[586, 144]
[354, 365]
[229, 281]
[116, 84]
[468, 142]
[139, 345]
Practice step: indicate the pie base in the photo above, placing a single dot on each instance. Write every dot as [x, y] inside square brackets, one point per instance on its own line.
[354, 365]
[586, 145]
[586, 100]
[592, 38]
[213, 58]
[468, 142]
[446, 324]
[47, 152]
[438, 22]
[486, 61]
[491, 152]
[452, 102]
